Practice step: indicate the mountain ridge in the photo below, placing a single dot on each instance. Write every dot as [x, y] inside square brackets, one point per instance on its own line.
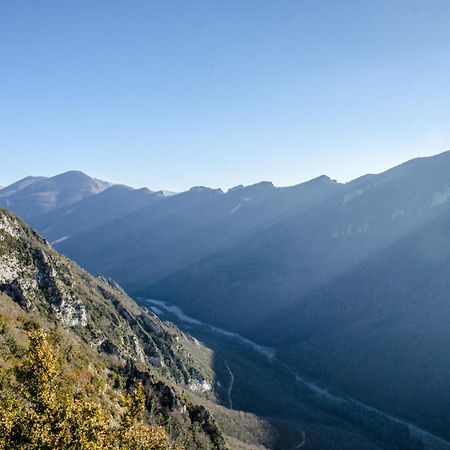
[258, 259]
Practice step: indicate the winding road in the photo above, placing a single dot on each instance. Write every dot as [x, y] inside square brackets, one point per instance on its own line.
[433, 441]
[230, 387]
[303, 441]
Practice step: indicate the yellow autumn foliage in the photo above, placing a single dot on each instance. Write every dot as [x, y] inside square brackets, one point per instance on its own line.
[39, 413]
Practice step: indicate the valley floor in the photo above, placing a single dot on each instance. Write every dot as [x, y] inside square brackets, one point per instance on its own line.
[305, 415]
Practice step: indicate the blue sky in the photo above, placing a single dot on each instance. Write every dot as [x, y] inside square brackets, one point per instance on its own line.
[170, 94]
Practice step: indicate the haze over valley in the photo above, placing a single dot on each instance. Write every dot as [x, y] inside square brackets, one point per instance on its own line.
[343, 285]
[225, 225]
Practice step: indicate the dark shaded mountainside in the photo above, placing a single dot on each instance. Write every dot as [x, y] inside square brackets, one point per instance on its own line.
[93, 211]
[104, 339]
[348, 282]
[381, 327]
[186, 225]
[353, 291]
[107, 344]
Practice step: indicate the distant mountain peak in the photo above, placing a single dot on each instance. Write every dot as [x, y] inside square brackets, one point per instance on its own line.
[324, 179]
[205, 189]
[72, 173]
[260, 186]
[119, 187]
[37, 195]
[73, 176]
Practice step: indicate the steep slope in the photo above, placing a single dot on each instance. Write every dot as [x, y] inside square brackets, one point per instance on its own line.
[93, 211]
[361, 283]
[181, 229]
[21, 184]
[115, 333]
[37, 195]
[379, 331]
[269, 269]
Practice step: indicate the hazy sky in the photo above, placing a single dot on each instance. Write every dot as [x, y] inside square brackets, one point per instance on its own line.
[170, 94]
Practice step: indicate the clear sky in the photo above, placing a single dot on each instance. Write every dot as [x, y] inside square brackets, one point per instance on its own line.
[170, 94]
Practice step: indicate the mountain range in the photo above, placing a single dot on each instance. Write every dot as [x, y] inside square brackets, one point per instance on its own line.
[104, 344]
[347, 282]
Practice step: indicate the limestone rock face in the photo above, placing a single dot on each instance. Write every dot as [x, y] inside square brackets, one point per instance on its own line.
[39, 279]
[118, 343]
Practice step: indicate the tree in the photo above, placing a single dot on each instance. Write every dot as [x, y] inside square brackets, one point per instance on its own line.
[40, 412]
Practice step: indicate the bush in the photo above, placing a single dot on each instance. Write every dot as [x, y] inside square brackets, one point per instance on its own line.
[40, 411]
